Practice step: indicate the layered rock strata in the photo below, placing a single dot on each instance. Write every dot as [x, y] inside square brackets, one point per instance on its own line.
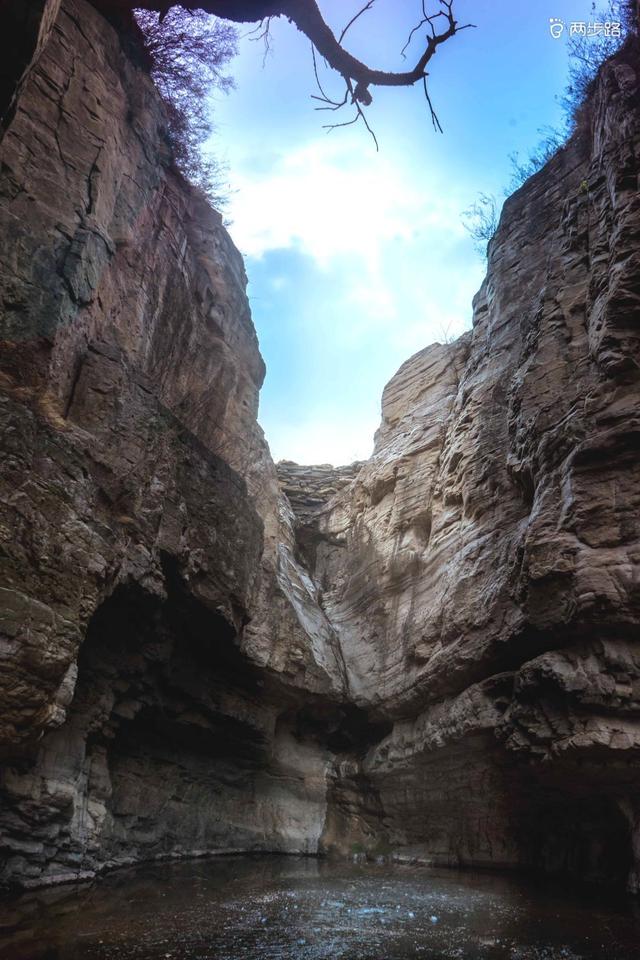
[158, 637]
[482, 569]
[431, 654]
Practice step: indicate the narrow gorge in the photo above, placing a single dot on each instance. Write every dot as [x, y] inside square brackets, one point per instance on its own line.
[431, 656]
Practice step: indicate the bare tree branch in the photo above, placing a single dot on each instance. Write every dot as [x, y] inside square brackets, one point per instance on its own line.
[262, 32]
[306, 16]
[364, 9]
[331, 104]
[434, 116]
[359, 115]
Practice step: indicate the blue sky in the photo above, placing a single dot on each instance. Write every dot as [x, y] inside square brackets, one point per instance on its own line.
[357, 259]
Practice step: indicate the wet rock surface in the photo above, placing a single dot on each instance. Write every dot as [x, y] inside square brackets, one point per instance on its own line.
[309, 909]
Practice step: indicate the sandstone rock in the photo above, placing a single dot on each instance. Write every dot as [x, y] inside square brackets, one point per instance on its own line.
[158, 636]
[481, 570]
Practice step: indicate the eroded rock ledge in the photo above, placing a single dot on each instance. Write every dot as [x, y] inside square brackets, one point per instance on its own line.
[433, 653]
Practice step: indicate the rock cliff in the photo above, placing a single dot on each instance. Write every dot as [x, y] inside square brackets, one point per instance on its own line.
[481, 570]
[158, 636]
[431, 654]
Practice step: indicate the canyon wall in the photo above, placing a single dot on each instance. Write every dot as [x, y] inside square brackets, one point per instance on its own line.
[482, 569]
[158, 637]
[433, 654]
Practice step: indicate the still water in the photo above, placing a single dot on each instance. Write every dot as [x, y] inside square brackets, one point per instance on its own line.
[286, 908]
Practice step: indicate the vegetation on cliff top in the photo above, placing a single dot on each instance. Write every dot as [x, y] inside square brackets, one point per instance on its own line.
[189, 52]
[586, 54]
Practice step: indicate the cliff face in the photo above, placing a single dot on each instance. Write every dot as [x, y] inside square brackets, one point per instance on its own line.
[433, 652]
[481, 570]
[151, 611]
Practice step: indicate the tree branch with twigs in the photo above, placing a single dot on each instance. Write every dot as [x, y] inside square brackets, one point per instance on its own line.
[357, 91]
[191, 42]
[359, 77]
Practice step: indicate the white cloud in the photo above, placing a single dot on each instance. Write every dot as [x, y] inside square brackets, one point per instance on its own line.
[387, 234]
[329, 198]
[323, 440]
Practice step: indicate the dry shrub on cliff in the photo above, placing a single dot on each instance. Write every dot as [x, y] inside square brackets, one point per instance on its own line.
[588, 53]
[480, 220]
[521, 169]
[189, 51]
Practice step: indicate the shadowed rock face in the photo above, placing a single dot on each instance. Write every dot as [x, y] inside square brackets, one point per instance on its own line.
[432, 653]
[158, 637]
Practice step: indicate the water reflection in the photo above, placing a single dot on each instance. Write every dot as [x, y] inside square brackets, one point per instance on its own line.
[307, 909]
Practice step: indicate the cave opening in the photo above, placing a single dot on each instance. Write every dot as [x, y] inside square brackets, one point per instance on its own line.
[586, 839]
[166, 745]
[342, 728]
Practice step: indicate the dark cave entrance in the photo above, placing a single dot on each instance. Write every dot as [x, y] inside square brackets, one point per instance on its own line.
[587, 839]
[176, 730]
[339, 728]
